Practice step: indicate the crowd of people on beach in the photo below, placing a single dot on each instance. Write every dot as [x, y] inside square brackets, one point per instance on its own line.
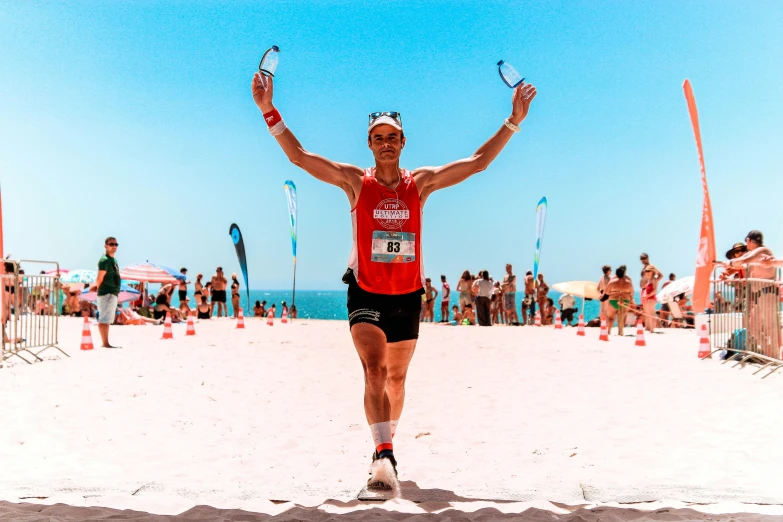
[485, 301]
[210, 300]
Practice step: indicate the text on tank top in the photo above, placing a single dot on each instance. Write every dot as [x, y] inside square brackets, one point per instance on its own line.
[386, 256]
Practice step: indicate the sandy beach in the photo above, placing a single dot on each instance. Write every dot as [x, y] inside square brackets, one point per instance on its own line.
[501, 421]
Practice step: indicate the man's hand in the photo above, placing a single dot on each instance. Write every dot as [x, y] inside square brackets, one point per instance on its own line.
[262, 88]
[520, 103]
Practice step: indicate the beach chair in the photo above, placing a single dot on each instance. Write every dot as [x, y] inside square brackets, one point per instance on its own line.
[685, 321]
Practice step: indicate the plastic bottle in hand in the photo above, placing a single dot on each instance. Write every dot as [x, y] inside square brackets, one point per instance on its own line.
[269, 61]
[509, 75]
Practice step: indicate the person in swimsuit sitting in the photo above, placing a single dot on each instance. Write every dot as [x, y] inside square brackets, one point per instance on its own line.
[457, 315]
[126, 316]
[203, 310]
[620, 291]
[162, 306]
[549, 312]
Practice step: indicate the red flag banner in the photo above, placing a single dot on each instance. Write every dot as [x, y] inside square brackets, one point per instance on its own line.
[2, 271]
[706, 256]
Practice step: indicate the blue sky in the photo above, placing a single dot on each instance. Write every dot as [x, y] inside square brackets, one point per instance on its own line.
[135, 119]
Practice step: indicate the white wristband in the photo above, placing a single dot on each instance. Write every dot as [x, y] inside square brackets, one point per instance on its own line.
[277, 128]
[511, 126]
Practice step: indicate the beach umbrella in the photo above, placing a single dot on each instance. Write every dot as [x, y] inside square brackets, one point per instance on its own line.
[126, 294]
[78, 276]
[672, 290]
[583, 289]
[151, 273]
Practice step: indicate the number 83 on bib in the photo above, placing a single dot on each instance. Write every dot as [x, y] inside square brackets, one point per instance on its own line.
[393, 247]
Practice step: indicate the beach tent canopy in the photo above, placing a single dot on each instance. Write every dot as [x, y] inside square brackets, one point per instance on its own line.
[150, 273]
[583, 289]
[675, 288]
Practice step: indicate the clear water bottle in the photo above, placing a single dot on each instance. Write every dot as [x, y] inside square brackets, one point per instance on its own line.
[269, 61]
[509, 75]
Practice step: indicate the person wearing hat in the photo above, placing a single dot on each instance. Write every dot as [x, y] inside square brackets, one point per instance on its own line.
[735, 252]
[385, 274]
[764, 297]
[753, 255]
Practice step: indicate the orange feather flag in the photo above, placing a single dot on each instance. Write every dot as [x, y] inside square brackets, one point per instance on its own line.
[706, 256]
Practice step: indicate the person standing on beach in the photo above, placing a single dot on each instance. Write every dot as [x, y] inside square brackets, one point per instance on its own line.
[463, 287]
[509, 288]
[620, 292]
[498, 312]
[602, 284]
[234, 295]
[649, 287]
[431, 292]
[108, 286]
[542, 290]
[483, 290]
[649, 300]
[445, 296]
[385, 275]
[530, 291]
[219, 283]
[183, 291]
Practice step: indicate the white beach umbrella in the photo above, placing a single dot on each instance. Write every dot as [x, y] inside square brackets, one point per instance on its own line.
[583, 289]
[672, 290]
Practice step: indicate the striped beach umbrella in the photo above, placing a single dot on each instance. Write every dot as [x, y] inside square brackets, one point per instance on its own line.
[78, 276]
[150, 273]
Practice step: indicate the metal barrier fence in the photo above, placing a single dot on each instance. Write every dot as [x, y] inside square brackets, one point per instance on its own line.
[31, 308]
[746, 319]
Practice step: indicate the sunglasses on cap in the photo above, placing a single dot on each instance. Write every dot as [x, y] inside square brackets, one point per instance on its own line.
[391, 114]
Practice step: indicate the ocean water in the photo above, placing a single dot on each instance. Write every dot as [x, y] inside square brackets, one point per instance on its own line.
[331, 304]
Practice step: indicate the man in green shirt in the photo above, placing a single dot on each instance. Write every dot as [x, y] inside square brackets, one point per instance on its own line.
[108, 285]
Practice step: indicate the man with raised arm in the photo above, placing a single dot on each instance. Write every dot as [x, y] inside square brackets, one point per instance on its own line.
[385, 274]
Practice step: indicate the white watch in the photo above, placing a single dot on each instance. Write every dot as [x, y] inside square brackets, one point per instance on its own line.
[511, 126]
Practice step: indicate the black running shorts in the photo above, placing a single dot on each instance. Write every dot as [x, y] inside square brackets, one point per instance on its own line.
[396, 315]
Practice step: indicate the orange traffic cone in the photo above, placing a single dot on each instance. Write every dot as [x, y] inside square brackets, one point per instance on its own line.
[580, 330]
[604, 331]
[86, 336]
[640, 334]
[270, 318]
[284, 319]
[167, 333]
[558, 321]
[191, 327]
[538, 319]
[241, 320]
[704, 342]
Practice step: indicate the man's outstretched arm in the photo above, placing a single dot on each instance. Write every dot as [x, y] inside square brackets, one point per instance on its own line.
[430, 179]
[339, 174]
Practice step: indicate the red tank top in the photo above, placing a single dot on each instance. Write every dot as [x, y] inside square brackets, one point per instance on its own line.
[386, 256]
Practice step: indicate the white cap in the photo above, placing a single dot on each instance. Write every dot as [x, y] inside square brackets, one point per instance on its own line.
[385, 120]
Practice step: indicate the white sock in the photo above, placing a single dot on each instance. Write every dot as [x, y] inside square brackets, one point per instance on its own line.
[381, 435]
[393, 423]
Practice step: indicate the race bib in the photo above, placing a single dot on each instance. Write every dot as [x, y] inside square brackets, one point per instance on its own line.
[393, 247]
